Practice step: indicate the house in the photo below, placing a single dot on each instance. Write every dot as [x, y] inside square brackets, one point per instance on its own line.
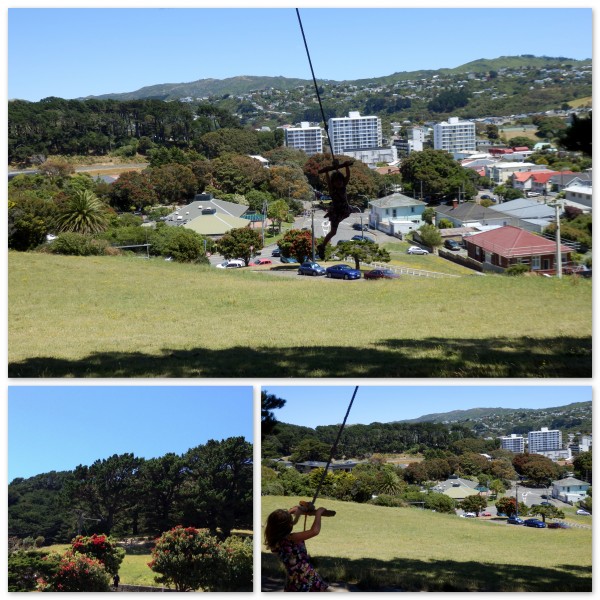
[469, 214]
[535, 182]
[580, 196]
[527, 214]
[396, 214]
[500, 172]
[505, 246]
[311, 465]
[570, 489]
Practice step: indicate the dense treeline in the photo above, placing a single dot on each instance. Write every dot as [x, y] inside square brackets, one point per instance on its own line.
[54, 126]
[359, 441]
[209, 486]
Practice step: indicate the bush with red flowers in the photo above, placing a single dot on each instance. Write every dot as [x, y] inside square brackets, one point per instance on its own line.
[102, 548]
[76, 573]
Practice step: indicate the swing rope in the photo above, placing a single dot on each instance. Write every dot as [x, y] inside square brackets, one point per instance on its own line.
[333, 448]
[315, 84]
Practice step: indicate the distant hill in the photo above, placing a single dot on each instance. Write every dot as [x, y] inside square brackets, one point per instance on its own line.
[502, 421]
[247, 83]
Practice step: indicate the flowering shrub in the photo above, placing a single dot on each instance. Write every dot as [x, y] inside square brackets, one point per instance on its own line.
[236, 565]
[101, 548]
[187, 558]
[76, 573]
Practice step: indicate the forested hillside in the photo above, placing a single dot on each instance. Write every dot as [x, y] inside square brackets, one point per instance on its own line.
[209, 486]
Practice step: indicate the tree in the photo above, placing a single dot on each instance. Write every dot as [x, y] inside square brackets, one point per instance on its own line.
[240, 243]
[132, 190]
[428, 215]
[362, 251]
[388, 481]
[535, 467]
[187, 558]
[219, 493]
[179, 243]
[437, 174]
[56, 168]
[508, 506]
[83, 213]
[278, 211]
[547, 512]
[582, 466]
[310, 449]
[173, 182]
[268, 403]
[30, 219]
[237, 174]
[430, 236]
[475, 503]
[297, 244]
[101, 548]
[105, 490]
[76, 573]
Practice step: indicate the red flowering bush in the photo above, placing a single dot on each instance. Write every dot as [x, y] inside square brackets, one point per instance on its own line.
[187, 558]
[102, 548]
[76, 573]
[236, 565]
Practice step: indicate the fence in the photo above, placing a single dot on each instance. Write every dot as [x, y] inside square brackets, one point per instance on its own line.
[410, 271]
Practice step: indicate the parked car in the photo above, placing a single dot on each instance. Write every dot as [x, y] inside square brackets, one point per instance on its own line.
[545, 503]
[311, 268]
[581, 270]
[533, 194]
[452, 245]
[361, 238]
[416, 250]
[359, 227]
[469, 515]
[534, 523]
[581, 511]
[557, 526]
[287, 260]
[231, 264]
[486, 514]
[486, 197]
[342, 272]
[381, 274]
[514, 520]
[262, 261]
[276, 253]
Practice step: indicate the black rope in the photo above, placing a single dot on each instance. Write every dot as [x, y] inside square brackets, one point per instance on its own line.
[315, 84]
[333, 448]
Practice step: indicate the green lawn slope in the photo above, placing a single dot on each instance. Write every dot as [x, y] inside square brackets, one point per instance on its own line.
[130, 317]
[411, 549]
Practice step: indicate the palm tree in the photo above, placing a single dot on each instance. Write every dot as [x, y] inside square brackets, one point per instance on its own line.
[83, 213]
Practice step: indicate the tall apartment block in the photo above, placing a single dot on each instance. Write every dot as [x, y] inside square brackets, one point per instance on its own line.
[454, 136]
[544, 440]
[305, 137]
[513, 442]
[355, 132]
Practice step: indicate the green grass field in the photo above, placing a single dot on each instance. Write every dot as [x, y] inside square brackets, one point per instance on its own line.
[129, 317]
[414, 550]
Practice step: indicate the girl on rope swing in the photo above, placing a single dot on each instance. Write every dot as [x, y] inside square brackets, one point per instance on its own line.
[301, 575]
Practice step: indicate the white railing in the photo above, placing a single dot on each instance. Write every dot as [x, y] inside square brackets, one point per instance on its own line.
[410, 271]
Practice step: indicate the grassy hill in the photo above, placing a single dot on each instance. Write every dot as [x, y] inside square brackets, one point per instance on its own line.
[129, 317]
[414, 550]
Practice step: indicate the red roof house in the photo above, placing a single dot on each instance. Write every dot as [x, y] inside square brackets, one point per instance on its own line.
[502, 247]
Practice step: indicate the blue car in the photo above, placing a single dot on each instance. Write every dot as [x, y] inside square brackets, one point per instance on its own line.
[311, 268]
[534, 523]
[342, 272]
[515, 520]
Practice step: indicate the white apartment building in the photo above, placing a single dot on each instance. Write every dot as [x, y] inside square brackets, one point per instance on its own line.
[544, 440]
[355, 133]
[305, 137]
[513, 442]
[454, 136]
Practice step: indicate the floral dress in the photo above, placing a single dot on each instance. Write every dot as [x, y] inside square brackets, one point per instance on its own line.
[301, 575]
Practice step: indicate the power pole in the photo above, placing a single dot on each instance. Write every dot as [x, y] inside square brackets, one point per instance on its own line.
[558, 205]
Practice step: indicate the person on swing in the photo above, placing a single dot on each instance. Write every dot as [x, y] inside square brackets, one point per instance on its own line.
[339, 208]
[290, 547]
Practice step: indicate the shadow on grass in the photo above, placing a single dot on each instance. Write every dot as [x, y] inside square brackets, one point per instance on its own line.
[410, 575]
[431, 357]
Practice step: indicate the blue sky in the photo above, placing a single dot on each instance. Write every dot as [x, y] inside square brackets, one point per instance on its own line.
[326, 405]
[75, 52]
[59, 427]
